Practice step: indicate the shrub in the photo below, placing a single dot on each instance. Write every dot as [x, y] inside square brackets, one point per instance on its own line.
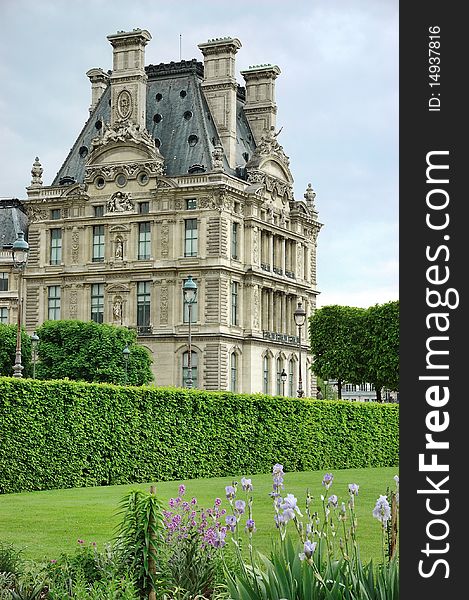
[73, 434]
[90, 351]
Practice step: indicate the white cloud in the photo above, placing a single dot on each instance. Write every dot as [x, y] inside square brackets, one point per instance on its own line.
[336, 95]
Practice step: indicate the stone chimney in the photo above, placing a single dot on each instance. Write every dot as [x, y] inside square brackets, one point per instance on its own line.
[219, 87]
[128, 78]
[99, 82]
[260, 108]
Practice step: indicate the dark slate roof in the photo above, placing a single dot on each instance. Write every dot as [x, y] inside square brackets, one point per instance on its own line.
[176, 112]
[12, 219]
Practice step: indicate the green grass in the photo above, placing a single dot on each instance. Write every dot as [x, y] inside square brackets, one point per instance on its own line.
[45, 524]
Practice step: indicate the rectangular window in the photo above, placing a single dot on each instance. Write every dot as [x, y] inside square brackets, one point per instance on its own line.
[143, 208]
[234, 240]
[143, 306]
[55, 214]
[190, 237]
[3, 315]
[3, 282]
[144, 241]
[191, 204]
[234, 303]
[279, 377]
[97, 302]
[265, 378]
[55, 246]
[99, 210]
[234, 372]
[290, 378]
[98, 243]
[53, 302]
[194, 310]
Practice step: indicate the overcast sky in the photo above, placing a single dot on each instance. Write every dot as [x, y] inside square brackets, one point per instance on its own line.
[337, 100]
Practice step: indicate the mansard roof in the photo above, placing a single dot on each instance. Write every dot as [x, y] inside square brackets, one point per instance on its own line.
[177, 117]
[12, 220]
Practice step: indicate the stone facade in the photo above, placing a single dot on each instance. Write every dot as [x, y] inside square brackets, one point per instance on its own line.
[142, 202]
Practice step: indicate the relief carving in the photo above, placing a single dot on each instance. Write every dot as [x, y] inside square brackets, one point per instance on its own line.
[164, 241]
[120, 202]
[75, 246]
[164, 305]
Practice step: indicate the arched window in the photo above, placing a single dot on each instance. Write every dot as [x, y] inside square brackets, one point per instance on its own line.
[279, 377]
[234, 372]
[266, 374]
[185, 368]
[291, 385]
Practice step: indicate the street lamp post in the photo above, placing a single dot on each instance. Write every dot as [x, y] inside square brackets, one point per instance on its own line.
[19, 252]
[300, 318]
[190, 294]
[126, 353]
[283, 377]
[34, 341]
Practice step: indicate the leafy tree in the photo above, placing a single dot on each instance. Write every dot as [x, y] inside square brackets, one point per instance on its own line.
[381, 346]
[8, 350]
[357, 345]
[335, 336]
[90, 351]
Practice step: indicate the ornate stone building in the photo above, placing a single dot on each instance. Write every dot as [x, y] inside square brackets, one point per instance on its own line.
[179, 172]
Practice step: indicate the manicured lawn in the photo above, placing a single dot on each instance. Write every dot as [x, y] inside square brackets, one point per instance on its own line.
[45, 524]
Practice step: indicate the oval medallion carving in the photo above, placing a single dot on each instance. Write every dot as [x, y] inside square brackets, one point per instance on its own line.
[124, 104]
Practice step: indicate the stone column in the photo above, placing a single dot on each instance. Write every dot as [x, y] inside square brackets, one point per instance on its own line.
[271, 310]
[271, 250]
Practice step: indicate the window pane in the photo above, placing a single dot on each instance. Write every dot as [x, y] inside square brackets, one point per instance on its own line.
[54, 302]
[55, 213]
[99, 210]
[144, 241]
[266, 375]
[234, 303]
[234, 241]
[3, 282]
[143, 207]
[290, 378]
[98, 243]
[55, 246]
[97, 302]
[143, 306]
[279, 378]
[234, 372]
[3, 315]
[190, 237]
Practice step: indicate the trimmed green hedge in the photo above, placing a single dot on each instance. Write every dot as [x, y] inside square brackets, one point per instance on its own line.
[59, 434]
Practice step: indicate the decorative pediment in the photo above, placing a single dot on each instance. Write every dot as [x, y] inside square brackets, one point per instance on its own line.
[270, 158]
[123, 141]
[164, 183]
[273, 185]
[119, 229]
[75, 192]
[118, 288]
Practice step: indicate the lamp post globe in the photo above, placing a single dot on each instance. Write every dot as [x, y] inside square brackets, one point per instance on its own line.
[19, 253]
[300, 318]
[189, 290]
